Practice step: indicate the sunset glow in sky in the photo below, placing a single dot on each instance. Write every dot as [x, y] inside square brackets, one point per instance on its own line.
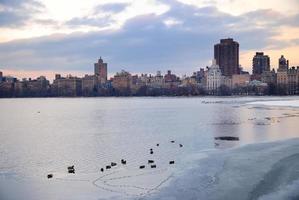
[48, 36]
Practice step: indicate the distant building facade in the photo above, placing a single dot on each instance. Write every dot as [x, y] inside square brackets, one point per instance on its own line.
[260, 63]
[100, 70]
[90, 85]
[66, 86]
[1, 76]
[171, 80]
[37, 87]
[214, 77]
[282, 72]
[189, 82]
[6, 89]
[227, 81]
[283, 64]
[293, 80]
[157, 81]
[122, 81]
[199, 76]
[269, 77]
[240, 80]
[11, 86]
[226, 54]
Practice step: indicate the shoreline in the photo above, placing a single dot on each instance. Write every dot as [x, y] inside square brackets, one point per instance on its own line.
[162, 96]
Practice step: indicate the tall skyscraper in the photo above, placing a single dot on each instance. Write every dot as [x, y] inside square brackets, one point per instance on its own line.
[100, 70]
[260, 63]
[226, 54]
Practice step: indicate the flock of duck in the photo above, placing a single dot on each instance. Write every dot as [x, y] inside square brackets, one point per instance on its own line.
[151, 163]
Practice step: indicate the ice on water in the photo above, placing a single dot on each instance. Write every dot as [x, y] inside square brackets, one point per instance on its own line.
[257, 171]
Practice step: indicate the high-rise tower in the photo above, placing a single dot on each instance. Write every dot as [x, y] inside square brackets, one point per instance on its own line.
[100, 70]
[226, 54]
[260, 63]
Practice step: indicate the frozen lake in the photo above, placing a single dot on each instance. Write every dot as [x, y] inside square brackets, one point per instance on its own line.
[42, 136]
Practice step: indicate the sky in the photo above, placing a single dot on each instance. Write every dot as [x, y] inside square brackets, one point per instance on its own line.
[44, 37]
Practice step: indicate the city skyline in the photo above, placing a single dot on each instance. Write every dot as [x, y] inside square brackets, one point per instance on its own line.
[38, 37]
[230, 57]
[110, 75]
[223, 77]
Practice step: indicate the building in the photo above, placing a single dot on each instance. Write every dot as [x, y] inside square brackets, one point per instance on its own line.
[19, 88]
[90, 85]
[226, 54]
[282, 77]
[158, 81]
[169, 77]
[260, 63]
[100, 70]
[145, 79]
[6, 89]
[7, 85]
[269, 77]
[136, 83]
[9, 79]
[122, 81]
[199, 75]
[151, 81]
[66, 86]
[214, 77]
[282, 72]
[282, 81]
[283, 64]
[1, 76]
[171, 80]
[32, 87]
[227, 81]
[188, 82]
[37, 87]
[240, 80]
[293, 80]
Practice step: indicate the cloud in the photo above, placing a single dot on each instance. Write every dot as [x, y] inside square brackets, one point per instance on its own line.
[90, 21]
[111, 7]
[45, 22]
[144, 43]
[102, 16]
[272, 18]
[292, 20]
[10, 19]
[21, 4]
[15, 13]
[295, 41]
